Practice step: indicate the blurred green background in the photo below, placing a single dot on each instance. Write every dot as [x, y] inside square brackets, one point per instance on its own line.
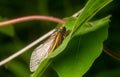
[21, 34]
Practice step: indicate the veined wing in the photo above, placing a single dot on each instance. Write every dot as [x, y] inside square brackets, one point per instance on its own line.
[41, 52]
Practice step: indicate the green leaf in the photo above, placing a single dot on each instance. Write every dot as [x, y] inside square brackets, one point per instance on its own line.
[90, 9]
[82, 51]
[92, 26]
[76, 51]
[82, 46]
[8, 30]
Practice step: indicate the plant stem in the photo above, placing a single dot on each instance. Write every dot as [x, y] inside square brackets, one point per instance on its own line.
[26, 48]
[110, 53]
[28, 18]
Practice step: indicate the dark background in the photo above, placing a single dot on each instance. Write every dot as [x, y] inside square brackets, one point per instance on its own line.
[25, 33]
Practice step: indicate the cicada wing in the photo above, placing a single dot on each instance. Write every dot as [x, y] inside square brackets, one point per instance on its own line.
[40, 53]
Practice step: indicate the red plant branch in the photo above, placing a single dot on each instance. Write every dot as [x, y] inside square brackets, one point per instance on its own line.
[28, 18]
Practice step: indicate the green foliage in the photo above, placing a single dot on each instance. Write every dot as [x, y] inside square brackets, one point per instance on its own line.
[81, 53]
[91, 8]
[18, 69]
[76, 56]
[80, 50]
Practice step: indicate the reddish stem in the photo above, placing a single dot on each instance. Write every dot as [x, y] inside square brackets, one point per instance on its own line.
[28, 18]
